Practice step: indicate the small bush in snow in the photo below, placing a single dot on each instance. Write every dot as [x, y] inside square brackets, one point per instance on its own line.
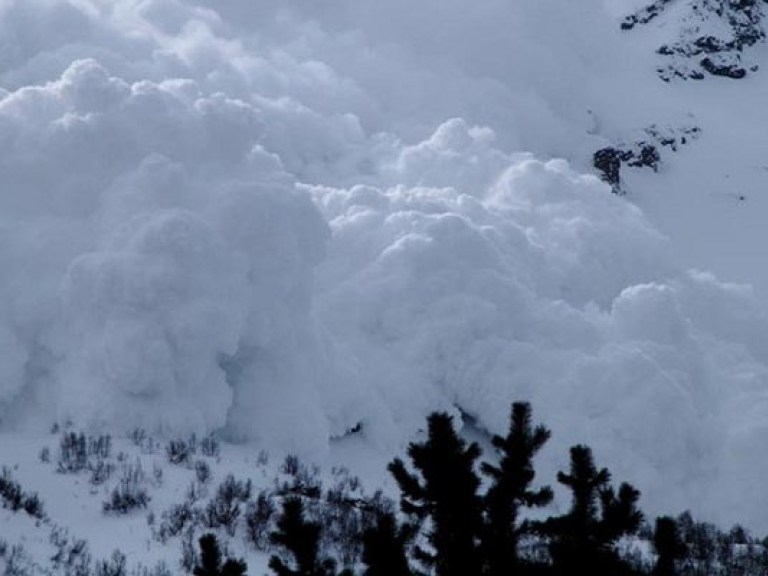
[125, 498]
[100, 447]
[160, 569]
[304, 481]
[342, 517]
[138, 436]
[130, 493]
[181, 451]
[101, 471]
[73, 453]
[18, 562]
[202, 471]
[15, 499]
[142, 440]
[157, 474]
[194, 492]
[176, 520]
[33, 506]
[209, 446]
[290, 465]
[115, 566]
[224, 508]
[259, 516]
[78, 452]
[72, 556]
[188, 551]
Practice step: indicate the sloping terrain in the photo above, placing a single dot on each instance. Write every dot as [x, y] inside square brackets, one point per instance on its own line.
[304, 227]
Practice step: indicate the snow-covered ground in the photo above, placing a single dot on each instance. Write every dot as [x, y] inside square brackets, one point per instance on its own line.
[73, 505]
[288, 221]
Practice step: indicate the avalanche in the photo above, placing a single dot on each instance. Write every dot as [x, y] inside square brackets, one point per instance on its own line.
[287, 222]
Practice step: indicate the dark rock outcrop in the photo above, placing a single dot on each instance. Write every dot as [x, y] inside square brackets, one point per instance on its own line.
[725, 54]
[644, 153]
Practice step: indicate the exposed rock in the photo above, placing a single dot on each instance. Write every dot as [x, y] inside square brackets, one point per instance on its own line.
[643, 153]
[645, 15]
[722, 30]
[727, 70]
[608, 161]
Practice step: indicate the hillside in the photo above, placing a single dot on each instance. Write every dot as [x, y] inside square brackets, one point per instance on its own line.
[305, 226]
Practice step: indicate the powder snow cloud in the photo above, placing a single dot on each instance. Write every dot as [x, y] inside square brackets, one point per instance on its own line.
[283, 221]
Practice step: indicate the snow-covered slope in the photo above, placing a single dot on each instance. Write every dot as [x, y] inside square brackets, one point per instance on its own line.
[75, 533]
[291, 222]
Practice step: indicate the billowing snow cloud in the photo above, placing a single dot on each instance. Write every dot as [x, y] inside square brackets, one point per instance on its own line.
[152, 244]
[539, 284]
[285, 221]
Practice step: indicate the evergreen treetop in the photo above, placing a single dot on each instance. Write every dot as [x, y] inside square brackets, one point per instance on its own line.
[582, 541]
[510, 489]
[669, 546]
[301, 538]
[444, 490]
[385, 547]
[210, 560]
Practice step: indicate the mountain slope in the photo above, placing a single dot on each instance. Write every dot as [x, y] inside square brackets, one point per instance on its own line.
[293, 224]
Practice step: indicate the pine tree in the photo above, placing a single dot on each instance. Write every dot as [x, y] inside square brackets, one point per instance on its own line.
[210, 560]
[384, 547]
[234, 568]
[620, 514]
[582, 541]
[511, 490]
[301, 538]
[669, 546]
[444, 491]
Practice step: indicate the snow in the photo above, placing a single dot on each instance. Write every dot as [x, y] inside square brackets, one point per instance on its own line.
[73, 503]
[284, 220]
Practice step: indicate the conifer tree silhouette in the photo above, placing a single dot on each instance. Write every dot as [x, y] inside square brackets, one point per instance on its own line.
[582, 541]
[210, 560]
[444, 492]
[669, 546]
[385, 547]
[301, 538]
[511, 490]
